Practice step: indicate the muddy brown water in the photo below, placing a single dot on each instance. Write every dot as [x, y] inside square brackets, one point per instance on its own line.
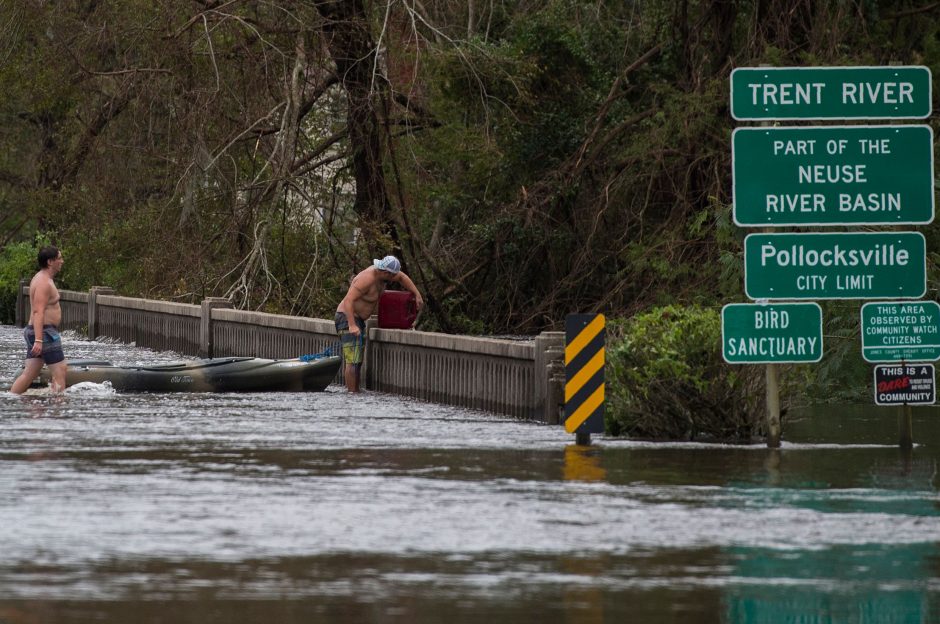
[325, 507]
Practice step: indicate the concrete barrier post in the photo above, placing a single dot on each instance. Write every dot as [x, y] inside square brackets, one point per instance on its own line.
[365, 381]
[555, 395]
[555, 405]
[22, 302]
[93, 308]
[543, 342]
[206, 346]
[541, 379]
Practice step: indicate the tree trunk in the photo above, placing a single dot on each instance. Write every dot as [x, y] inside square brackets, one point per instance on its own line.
[350, 42]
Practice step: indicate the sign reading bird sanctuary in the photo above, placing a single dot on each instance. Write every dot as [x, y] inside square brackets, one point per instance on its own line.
[892, 92]
[777, 333]
[833, 175]
[901, 331]
[877, 265]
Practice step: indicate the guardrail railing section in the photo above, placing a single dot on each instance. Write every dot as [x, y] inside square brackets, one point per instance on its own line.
[513, 377]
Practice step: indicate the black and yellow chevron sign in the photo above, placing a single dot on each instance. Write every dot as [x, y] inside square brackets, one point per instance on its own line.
[584, 373]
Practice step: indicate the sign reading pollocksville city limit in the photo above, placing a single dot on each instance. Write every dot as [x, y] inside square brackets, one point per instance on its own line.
[843, 265]
[771, 333]
[892, 92]
[833, 175]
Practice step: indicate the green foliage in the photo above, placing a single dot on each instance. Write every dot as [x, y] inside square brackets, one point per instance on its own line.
[667, 379]
[538, 158]
[842, 376]
[17, 261]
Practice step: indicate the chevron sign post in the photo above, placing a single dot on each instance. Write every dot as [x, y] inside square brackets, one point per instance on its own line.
[584, 374]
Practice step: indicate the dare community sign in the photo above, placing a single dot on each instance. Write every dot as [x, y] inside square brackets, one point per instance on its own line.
[892, 92]
[913, 384]
[833, 175]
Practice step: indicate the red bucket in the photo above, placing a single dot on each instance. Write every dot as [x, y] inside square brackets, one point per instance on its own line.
[397, 309]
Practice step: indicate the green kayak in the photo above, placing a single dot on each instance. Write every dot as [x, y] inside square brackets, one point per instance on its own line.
[234, 374]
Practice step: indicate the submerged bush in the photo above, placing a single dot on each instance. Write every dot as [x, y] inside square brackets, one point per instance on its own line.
[667, 379]
[17, 261]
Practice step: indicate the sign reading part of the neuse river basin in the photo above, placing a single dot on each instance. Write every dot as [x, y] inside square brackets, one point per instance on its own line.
[771, 333]
[901, 331]
[844, 265]
[893, 92]
[833, 175]
[912, 384]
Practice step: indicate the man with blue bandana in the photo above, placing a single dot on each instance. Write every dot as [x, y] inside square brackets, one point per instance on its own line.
[359, 304]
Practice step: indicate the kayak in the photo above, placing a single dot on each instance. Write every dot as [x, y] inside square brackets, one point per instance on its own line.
[234, 374]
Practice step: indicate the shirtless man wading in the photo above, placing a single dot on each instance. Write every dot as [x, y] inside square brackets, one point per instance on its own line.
[43, 343]
[360, 303]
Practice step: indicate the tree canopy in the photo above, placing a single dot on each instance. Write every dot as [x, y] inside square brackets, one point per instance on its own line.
[525, 158]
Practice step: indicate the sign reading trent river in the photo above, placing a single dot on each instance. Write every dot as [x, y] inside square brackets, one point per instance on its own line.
[878, 265]
[833, 175]
[901, 331]
[771, 333]
[892, 92]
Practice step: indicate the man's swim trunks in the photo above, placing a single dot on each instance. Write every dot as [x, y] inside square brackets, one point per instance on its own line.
[353, 346]
[51, 344]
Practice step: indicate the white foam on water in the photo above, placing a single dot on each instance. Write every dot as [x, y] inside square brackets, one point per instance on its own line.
[90, 388]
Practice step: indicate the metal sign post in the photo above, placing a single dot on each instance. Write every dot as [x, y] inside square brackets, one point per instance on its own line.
[584, 375]
[771, 334]
[831, 176]
[905, 385]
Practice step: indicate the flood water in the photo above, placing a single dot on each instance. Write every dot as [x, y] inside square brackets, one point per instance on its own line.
[325, 507]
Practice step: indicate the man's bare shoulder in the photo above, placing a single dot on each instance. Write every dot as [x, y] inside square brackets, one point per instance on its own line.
[40, 280]
[364, 280]
[41, 291]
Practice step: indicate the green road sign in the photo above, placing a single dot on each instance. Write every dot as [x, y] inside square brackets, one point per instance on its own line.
[845, 265]
[893, 92]
[771, 333]
[833, 175]
[901, 331]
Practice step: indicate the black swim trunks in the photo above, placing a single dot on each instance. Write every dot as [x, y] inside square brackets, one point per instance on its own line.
[51, 344]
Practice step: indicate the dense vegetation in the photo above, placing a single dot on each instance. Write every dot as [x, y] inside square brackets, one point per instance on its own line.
[667, 379]
[525, 158]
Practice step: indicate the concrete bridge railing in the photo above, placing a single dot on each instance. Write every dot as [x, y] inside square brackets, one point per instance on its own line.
[523, 379]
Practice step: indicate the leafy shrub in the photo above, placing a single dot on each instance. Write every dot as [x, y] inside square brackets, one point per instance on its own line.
[667, 379]
[17, 260]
